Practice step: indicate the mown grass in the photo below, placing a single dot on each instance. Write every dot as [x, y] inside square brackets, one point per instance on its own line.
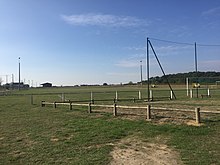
[30, 134]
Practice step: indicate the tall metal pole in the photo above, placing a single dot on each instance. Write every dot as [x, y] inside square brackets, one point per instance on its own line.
[148, 71]
[141, 73]
[19, 73]
[196, 69]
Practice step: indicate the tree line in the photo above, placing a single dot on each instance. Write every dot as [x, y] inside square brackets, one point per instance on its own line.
[180, 78]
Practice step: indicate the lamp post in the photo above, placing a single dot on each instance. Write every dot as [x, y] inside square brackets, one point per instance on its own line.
[19, 73]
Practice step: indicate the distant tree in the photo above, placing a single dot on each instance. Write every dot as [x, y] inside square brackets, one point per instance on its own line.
[105, 84]
[130, 83]
[180, 78]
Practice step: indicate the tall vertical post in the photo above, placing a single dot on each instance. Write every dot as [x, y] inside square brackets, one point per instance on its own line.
[148, 70]
[196, 69]
[116, 95]
[19, 73]
[141, 72]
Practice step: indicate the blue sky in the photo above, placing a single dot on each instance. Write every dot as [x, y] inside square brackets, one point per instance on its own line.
[69, 42]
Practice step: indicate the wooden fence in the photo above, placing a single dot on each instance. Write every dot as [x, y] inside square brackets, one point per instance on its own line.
[115, 108]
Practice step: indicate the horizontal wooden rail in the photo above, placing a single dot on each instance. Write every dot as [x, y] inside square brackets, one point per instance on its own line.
[172, 109]
[148, 108]
[128, 107]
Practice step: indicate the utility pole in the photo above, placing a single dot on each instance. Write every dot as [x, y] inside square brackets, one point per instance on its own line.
[19, 73]
[148, 70]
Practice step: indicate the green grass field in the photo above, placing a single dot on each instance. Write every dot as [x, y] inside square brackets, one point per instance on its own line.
[31, 134]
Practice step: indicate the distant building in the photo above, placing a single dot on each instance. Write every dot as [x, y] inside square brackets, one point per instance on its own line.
[46, 85]
[15, 85]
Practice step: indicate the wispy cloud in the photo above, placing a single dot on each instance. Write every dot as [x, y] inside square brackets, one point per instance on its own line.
[104, 20]
[132, 61]
[214, 11]
[212, 17]
[173, 48]
[141, 48]
[128, 63]
[162, 51]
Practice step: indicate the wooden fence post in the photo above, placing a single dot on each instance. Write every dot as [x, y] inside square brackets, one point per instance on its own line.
[116, 95]
[42, 104]
[133, 100]
[54, 105]
[89, 108]
[148, 112]
[139, 95]
[91, 98]
[151, 95]
[71, 106]
[171, 95]
[197, 111]
[114, 110]
[191, 93]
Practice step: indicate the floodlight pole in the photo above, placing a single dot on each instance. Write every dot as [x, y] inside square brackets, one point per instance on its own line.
[196, 69]
[148, 70]
[19, 73]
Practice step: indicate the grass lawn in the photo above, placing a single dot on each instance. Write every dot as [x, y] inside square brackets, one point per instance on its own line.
[30, 134]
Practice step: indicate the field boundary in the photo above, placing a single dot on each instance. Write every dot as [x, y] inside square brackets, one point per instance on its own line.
[115, 107]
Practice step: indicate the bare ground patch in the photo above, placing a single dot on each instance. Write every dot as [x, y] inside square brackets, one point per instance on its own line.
[133, 150]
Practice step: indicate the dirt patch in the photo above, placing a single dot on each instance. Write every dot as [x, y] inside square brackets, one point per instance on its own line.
[133, 150]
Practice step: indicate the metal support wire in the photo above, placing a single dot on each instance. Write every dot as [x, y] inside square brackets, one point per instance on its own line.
[161, 68]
